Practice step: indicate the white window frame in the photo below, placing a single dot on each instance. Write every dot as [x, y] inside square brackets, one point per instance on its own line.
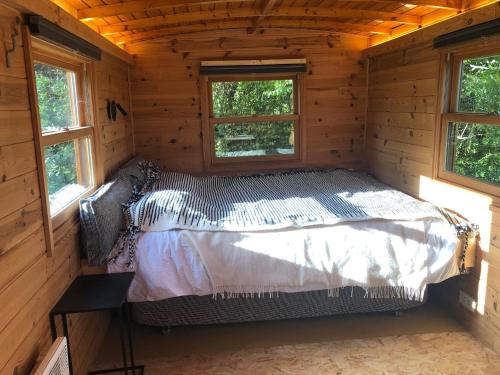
[451, 73]
[38, 51]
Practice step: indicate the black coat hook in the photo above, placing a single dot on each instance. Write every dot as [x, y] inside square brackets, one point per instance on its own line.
[111, 109]
[121, 109]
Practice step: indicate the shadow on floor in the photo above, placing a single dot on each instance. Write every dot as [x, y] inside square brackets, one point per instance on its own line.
[150, 343]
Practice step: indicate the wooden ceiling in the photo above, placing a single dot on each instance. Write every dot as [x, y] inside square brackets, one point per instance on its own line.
[135, 21]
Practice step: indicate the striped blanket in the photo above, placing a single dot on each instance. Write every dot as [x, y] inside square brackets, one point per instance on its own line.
[249, 232]
[267, 202]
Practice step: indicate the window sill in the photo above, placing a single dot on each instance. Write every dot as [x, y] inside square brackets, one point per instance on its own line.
[471, 184]
[65, 196]
[240, 166]
[70, 210]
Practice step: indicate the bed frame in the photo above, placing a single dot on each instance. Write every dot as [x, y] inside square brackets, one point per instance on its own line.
[202, 310]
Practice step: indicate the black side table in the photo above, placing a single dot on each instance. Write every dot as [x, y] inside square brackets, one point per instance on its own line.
[98, 293]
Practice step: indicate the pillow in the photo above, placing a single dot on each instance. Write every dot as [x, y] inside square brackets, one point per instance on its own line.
[132, 171]
[102, 219]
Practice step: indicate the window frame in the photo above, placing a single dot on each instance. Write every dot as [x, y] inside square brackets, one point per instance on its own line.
[39, 51]
[212, 162]
[452, 58]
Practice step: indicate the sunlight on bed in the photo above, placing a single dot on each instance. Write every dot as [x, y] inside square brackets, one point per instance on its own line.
[365, 250]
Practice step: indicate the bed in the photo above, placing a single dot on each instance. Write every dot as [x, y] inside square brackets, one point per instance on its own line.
[287, 245]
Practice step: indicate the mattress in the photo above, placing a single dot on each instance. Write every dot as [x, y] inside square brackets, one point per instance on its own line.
[202, 310]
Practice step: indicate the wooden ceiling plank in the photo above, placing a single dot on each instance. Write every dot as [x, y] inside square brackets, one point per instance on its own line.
[325, 25]
[290, 12]
[445, 4]
[345, 13]
[248, 24]
[63, 4]
[266, 7]
[57, 15]
[242, 43]
[144, 5]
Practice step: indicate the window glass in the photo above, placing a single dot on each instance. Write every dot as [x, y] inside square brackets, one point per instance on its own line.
[254, 139]
[480, 85]
[57, 97]
[248, 98]
[473, 150]
[69, 172]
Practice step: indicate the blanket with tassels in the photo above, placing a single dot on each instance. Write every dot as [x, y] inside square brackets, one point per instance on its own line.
[215, 214]
[268, 202]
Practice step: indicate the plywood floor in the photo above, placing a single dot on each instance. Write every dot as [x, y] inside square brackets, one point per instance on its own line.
[423, 341]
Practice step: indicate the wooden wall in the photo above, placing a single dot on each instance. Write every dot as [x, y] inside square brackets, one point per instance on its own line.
[112, 83]
[402, 151]
[31, 282]
[166, 93]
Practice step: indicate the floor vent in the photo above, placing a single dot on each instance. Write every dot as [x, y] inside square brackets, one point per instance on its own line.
[56, 360]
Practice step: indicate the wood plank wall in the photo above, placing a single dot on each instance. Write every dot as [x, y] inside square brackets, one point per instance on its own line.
[166, 93]
[30, 282]
[112, 83]
[401, 135]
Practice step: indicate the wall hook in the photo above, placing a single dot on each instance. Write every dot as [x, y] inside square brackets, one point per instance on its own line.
[14, 34]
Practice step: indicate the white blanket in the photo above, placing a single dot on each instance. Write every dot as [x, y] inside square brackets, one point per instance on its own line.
[373, 254]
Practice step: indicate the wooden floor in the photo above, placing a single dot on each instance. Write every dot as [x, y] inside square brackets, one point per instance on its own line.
[422, 341]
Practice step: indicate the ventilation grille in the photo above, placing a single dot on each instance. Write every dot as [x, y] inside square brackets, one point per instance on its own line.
[56, 360]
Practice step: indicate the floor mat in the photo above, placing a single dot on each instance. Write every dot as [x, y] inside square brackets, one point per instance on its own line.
[431, 353]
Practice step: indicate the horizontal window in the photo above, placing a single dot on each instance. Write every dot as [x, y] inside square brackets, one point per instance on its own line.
[57, 97]
[254, 139]
[252, 118]
[470, 124]
[250, 98]
[479, 85]
[69, 172]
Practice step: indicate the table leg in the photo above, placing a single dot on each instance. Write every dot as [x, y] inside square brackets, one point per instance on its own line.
[65, 331]
[53, 329]
[122, 339]
[130, 340]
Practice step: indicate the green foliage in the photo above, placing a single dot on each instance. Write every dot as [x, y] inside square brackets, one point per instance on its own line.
[60, 165]
[253, 139]
[54, 106]
[480, 85]
[477, 146]
[52, 86]
[477, 151]
[249, 98]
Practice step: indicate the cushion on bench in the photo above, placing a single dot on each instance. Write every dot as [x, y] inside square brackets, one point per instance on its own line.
[102, 219]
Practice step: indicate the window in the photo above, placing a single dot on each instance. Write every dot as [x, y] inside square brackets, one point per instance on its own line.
[65, 130]
[471, 125]
[253, 119]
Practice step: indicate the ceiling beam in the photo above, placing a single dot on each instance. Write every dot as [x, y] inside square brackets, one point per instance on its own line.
[290, 12]
[144, 5]
[242, 43]
[445, 4]
[63, 4]
[345, 13]
[178, 30]
[249, 24]
[55, 14]
[324, 25]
